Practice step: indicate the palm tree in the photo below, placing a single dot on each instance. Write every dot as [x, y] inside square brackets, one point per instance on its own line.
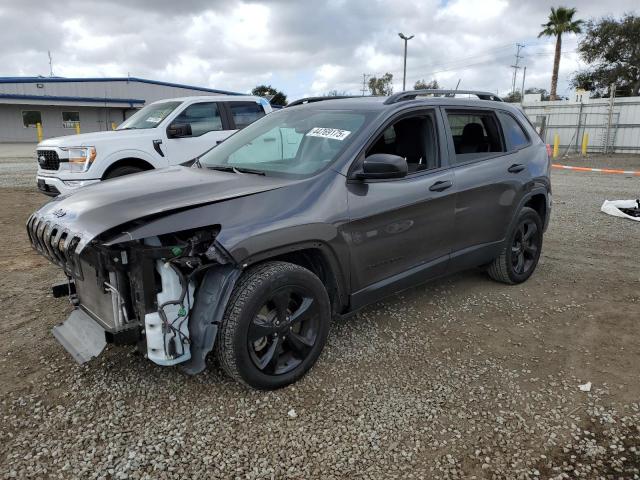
[560, 21]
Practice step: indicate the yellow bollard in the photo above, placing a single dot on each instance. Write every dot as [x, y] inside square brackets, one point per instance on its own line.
[113, 125]
[556, 145]
[585, 143]
[77, 125]
[39, 131]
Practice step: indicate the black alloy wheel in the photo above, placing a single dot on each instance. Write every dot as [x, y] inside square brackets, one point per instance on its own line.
[520, 252]
[275, 325]
[284, 331]
[524, 249]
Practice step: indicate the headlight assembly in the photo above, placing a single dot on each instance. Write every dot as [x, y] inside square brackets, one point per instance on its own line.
[80, 158]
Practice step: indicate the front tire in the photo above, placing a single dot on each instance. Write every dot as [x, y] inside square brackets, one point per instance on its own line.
[122, 171]
[521, 250]
[275, 326]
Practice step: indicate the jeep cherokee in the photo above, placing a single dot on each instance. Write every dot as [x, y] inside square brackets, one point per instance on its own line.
[313, 211]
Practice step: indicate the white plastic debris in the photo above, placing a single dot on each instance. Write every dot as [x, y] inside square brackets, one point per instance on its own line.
[612, 207]
[292, 413]
[586, 387]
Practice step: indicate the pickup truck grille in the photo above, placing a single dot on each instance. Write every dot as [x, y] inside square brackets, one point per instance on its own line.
[48, 159]
[55, 242]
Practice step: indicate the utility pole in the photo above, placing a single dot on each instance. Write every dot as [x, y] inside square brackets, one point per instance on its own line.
[404, 76]
[515, 66]
[50, 63]
[524, 75]
[364, 82]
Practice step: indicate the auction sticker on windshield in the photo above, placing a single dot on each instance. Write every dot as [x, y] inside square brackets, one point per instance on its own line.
[332, 133]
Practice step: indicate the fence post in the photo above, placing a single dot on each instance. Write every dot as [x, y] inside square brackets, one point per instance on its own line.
[39, 131]
[556, 145]
[585, 143]
[612, 96]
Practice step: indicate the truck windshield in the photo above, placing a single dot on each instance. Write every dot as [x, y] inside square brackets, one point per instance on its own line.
[149, 117]
[297, 142]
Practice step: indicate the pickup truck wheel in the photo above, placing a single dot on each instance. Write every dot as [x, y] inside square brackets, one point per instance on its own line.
[122, 171]
[275, 325]
[521, 251]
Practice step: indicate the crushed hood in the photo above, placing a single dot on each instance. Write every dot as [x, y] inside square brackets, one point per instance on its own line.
[98, 208]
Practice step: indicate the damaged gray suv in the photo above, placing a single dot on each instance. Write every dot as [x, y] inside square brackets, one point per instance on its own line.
[314, 211]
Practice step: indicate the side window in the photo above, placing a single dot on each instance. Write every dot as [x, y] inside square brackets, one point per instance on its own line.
[475, 135]
[413, 138]
[203, 118]
[245, 113]
[513, 132]
[31, 117]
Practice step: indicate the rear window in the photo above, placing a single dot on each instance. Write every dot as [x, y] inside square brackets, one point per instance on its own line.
[513, 132]
[245, 113]
[476, 135]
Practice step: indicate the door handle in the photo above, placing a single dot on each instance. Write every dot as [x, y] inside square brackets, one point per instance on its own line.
[516, 168]
[441, 185]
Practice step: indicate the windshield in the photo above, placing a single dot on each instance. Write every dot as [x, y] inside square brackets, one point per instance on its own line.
[297, 142]
[150, 116]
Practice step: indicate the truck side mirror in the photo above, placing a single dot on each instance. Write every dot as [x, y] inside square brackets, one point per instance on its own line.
[179, 130]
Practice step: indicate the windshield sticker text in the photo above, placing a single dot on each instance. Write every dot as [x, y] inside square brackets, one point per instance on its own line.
[332, 133]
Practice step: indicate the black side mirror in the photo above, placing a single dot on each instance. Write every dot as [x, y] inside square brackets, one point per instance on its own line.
[179, 130]
[382, 166]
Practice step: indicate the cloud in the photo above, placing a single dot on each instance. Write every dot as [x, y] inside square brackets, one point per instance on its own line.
[301, 47]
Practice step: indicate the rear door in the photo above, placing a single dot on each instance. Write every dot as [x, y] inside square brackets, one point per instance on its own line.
[209, 126]
[399, 228]
[490, 178]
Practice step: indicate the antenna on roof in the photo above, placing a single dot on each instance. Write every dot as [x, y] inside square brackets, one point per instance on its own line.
[50, 63]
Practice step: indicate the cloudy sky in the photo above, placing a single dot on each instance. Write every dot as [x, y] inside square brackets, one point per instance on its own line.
[301, 47]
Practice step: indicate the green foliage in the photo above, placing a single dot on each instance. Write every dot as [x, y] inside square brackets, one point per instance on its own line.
[279, 98]
[561, 21]
[422, 85]
[611, 47]
[541, 91]
[512, 97]
[336, 93]
[382, 86]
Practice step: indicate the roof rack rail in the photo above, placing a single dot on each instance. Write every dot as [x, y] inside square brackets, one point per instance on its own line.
[412, 94]
[302, 101]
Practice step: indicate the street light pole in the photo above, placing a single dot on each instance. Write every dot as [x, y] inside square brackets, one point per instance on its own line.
[404, 76]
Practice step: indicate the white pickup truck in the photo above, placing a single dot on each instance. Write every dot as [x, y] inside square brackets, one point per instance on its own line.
[166, 132]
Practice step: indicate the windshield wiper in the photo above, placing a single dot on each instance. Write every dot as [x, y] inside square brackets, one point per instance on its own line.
[227, 168]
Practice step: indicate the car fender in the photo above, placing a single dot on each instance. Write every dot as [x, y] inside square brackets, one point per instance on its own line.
[103, 164]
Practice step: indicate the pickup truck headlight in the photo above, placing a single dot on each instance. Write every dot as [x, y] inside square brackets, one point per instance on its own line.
[80, 158]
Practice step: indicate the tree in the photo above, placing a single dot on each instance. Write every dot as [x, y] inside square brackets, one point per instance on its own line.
[279, 98]
[612, 48]
[381, 86]
[540, 91]
[560, 21]
[422, 85]
[336, 93]
[512, 97]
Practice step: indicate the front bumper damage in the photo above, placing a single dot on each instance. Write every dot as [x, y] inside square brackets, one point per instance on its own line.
[140, 293]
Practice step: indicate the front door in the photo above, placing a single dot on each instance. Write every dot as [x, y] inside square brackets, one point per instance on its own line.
[208, 128]
[399, 228]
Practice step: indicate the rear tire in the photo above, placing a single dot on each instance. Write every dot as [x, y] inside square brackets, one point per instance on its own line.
[122, 171]
[521, 250]
[275, 326]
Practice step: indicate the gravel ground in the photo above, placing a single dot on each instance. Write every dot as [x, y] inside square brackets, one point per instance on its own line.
[462, 378]
[18, 172]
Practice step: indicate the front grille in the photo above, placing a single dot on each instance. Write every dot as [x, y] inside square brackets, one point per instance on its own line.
[48, 159]
[56, 243]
